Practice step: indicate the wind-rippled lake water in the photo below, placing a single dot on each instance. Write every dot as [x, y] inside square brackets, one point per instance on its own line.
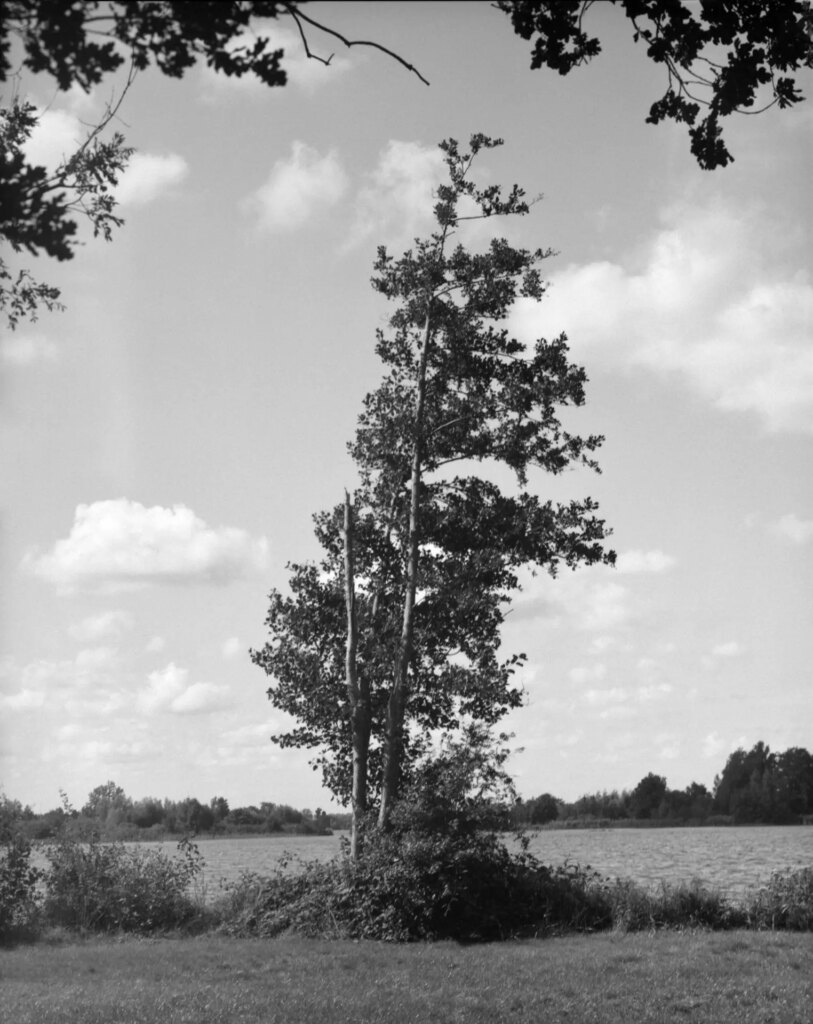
[730, 859]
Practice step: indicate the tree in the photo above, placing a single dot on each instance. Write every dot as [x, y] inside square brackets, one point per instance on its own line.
[105, 799]
[768, 43]
[82, 42]
[395, 633]
[647, 796]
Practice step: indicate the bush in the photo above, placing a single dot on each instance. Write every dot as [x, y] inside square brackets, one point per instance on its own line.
[441, 869]
[96, 886]
[785, 902]
[19, 879]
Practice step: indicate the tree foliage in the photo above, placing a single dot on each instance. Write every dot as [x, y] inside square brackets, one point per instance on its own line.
[436, 554]
[759, 785]
[720, 58]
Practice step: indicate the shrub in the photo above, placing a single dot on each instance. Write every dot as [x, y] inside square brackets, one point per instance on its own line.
[785, 902]
[96, 886]
[19, 879]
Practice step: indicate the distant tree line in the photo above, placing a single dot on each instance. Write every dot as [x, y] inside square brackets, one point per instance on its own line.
[116, 816]
[755, 787]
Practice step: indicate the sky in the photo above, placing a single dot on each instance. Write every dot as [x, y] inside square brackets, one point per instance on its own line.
[166, 439]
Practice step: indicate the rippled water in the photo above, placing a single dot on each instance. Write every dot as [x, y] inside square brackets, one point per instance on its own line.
[732, 859]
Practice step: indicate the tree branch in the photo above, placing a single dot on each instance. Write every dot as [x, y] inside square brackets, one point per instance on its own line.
[299, 17]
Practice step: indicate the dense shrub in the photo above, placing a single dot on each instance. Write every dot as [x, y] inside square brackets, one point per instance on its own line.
[785, 902]
[440, 870]
[96, 886]
[19, 895]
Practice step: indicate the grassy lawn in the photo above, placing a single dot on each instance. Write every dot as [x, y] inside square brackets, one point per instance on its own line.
[719, 978]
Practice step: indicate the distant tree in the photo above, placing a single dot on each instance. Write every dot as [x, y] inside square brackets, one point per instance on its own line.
[768, 42]
[541, 809]
[147, 813]
[794, 771]
[647, 796]
[220, 808]
[742, 788]
[104, 800]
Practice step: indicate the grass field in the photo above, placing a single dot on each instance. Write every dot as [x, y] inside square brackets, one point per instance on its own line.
[715, 978]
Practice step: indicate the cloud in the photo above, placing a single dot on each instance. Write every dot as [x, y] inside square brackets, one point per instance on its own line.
[713, 745]
[18, 350]
[60, 685]
[731, 649]
[653, 692]
[199, 698]
[395, 203]
[643, 561]
[168, 689]
[719, 299]
[56, 135]
[23, 700]
[149, 176]
[232, 647]
[120, 544]
[297, 189]
[791, 527]
[155, 645]
[251, 735]
[108, 625]
[600, 698]
[584, 674]
[583, 599]
[116, 751]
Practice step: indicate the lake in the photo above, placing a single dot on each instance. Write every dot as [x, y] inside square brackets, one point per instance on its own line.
[731, 859]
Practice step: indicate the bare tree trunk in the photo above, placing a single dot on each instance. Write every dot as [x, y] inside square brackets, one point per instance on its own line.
[357, 691]
[396, 705]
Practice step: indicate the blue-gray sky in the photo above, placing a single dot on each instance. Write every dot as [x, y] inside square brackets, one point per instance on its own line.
[167, 438]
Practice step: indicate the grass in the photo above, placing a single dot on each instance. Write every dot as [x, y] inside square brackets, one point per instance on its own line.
[734, 977]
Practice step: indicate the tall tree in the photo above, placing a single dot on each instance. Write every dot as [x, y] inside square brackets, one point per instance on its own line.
[420, 568]
[768, 44]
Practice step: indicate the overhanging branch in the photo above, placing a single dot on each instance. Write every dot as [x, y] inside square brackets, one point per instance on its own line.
[299, 17]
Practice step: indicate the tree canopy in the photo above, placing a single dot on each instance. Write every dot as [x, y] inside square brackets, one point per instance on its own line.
[767, 43]
[396, 632]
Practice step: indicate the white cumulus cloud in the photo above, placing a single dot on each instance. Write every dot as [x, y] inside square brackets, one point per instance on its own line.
[121, 544]
[148, 176]
[168, 689]
[56, 136]
[109, 625]
[720, 298]
[396, 201]
[297, 189]
[643, 561]
[791, 527]
[730, 649]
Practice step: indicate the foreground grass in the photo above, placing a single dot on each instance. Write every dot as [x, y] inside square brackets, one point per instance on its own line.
[717, 978]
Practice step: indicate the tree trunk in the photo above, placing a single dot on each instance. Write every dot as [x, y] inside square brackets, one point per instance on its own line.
[396, 705]
[357, 691]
